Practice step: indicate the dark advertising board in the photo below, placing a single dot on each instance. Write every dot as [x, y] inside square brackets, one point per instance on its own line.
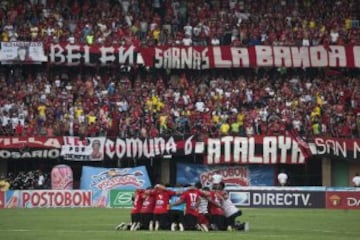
[278, 199]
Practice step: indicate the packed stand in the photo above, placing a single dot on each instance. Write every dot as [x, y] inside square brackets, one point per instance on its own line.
[143, 103]
[181, 22]
[153, 103]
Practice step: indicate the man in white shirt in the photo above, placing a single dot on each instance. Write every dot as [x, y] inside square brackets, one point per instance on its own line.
[187, 41]
[4, 117]
[200, 105]
[41, 180]
[188, 30]
[282, 178]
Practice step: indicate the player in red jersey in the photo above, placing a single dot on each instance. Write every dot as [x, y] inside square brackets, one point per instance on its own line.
[217, 219]
[191, 198]
[162, 206]
[135, 212]
[147, 209]
[204, 216]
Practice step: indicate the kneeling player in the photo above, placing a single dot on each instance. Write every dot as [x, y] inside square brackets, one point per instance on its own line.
[161, 208]
[147, 209]
[135, 213]
[231, 212]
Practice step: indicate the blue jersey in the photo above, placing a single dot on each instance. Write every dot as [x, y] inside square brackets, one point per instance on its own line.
[180, 207]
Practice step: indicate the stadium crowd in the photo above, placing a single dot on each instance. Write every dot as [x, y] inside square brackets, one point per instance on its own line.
[153, 103]
[149, 103]
[181, 22]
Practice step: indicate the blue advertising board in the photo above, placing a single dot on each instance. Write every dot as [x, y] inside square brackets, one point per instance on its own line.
[102, 180]
[233, 176]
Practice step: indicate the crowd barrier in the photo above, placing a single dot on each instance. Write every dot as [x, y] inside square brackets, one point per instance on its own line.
[249, 197]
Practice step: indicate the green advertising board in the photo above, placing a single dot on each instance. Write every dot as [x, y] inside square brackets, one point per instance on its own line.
[121, 198]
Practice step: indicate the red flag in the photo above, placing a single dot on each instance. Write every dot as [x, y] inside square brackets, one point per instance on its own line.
[303, 145]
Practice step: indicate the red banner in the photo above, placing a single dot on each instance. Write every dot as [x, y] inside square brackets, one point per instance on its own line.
[168, 57]
[258, 149]
[343, 200]
[2, 199]
[30, 142]
[30, 147]
[257, 56]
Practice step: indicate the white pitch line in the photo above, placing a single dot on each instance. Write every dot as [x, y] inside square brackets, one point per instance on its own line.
[311, 230]
[55, 230]
[70, 231]
[266, 236]
[149, 232]
[95, 224]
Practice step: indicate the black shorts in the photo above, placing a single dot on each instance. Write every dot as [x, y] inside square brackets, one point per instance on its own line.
[230, 221]
[145, 220]
[135, 217]
[218, 221]
[190, 222]
[176, 216]
[163, 220]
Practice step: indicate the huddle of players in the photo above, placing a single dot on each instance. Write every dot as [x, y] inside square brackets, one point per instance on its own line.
[188, 208]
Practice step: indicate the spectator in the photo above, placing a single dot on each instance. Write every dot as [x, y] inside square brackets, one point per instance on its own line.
[74, 103]
[40, 180]
[4, 184]
[356, 180]
[25, 180]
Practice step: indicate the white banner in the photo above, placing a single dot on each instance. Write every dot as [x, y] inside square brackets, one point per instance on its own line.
[22, 52]
[83, 149]
[48, 198]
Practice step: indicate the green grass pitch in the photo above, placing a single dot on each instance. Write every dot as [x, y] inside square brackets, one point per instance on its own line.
[98, 224]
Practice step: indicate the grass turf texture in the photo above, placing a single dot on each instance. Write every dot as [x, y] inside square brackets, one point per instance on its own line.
[96, 223]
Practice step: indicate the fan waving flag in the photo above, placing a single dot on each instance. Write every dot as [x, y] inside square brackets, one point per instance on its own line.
[303, 145]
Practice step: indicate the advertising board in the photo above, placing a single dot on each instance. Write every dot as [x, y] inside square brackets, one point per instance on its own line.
[121, 198]
[343, 200]
[48, 198]
[278, 199]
